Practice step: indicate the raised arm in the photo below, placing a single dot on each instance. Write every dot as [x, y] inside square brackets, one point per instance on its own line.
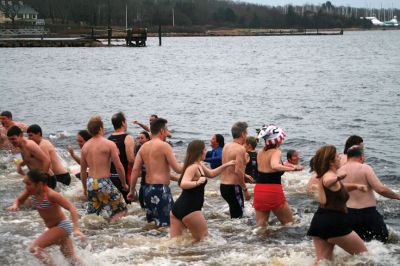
[145, 127]
[73, 155]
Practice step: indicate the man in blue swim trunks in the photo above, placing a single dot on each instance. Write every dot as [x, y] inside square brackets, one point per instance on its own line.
[158, 157]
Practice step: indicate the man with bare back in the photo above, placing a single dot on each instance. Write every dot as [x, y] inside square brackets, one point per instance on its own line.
[97, 154]
[232, 178]
[158, 157]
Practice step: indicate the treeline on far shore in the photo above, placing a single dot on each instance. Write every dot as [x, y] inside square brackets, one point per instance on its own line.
[198, 14]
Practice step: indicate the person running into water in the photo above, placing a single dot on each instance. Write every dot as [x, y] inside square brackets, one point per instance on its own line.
[7, 122]
[365, 219]
[158, 157]
[32, 155]
[49, 203]
[97, 154]
[59, 171]
[81, 138]
[350, 142]
[143, 138]
[186, 211]
[232, 178]
[152, 118]
[251, 159]
[214, 157]
[293, 159]
[330, 225]
[268, 191]
[126, 145]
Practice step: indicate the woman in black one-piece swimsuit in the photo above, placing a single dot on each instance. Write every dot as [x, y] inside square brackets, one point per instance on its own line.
[186, 211]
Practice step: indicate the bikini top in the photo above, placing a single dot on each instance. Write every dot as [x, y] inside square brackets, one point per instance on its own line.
[269, 178]
[45, 204]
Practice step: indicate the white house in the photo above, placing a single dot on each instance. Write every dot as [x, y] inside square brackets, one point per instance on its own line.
[25, 13]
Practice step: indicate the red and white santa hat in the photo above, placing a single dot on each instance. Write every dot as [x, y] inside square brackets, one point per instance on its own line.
[271, 134]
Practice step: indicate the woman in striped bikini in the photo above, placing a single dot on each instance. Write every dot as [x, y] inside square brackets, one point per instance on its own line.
[49, 203]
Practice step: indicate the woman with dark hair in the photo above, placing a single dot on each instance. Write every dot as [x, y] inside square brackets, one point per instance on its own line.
[268, 191]
[186, 211]
[330, 225]
[49, 203]
[353, 140]
[81, 138]
[214, 157]
[143, 137]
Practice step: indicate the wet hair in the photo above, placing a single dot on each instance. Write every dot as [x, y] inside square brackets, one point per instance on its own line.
[7, 114]
[290, 153]
[37, 176]
[355, 152]
[351, 141]
[220, 140]
[14, 131]
[251, 141]
[94, 125]
[323, 159]
[117, 120]
[146, 134]
[157, 125]
[238, 128]
[155, 116]
[312, 164]
[193, 152]
[85, 134]
[35, 129]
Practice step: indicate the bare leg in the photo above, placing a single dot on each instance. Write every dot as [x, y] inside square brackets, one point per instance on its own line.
[197, 225]
[284, 213]
[118, 216]
[323, 249]
[52, 236]
[67, 248]
[351, 243]
[262, 218]
[176, 226]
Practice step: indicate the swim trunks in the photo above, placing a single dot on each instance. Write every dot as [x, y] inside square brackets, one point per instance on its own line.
[64, 178]
[52, 182]
[141, 195]
[268, 197]
[158, 203]
[368, 224]
[233, 195]
[329, 223]
[102, 194]
[66, 225]
[117, 183]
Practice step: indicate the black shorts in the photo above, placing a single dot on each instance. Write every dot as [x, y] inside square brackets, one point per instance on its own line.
[234, 196]
[52, 182]
[117, 183]
[368, 224]
[329, 223]
[64, 178]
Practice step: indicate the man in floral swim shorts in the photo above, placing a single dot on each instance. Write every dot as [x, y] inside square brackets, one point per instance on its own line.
[97, 153]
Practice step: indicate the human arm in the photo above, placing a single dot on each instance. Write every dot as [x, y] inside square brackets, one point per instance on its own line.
[18, 201]
[38, 153]
[73, 155]
[19, 168]
[84, 166]
[378, 186]
[214, 172]
[171, 159]
[66, 204]
[130, 148]
[136, 171]
[187, 181]
[174, 178]
[353, 186]
[118, 165]
[240, 166]
[214, 156]
[276, 164]
[145, 127]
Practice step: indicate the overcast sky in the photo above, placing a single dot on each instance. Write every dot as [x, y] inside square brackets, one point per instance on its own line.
[353, 3]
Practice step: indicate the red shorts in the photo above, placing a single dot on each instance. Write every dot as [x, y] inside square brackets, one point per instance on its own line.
[268, 197]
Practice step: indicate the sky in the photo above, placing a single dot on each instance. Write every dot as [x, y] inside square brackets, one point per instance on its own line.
[352, 3]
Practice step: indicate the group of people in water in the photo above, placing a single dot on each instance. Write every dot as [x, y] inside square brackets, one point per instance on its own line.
[110, 168]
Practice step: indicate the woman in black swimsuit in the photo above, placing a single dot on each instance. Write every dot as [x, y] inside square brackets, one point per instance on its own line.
[330, 225]
[186, 211]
